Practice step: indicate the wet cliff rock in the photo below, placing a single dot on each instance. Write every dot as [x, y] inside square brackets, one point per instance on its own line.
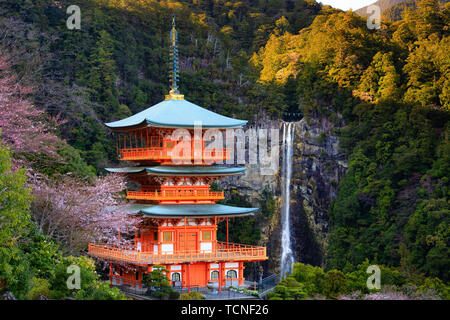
[317, 169]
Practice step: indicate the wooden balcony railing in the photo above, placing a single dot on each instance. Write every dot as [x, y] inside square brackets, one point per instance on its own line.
[232, 252]
[176, 195]
[166, 154]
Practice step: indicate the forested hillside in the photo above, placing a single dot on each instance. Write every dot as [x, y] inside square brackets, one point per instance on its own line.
[58, 87]
[388, 88]
[391, 88]
[392, 10]
[117, 64]
[383, 4]
[400, 9]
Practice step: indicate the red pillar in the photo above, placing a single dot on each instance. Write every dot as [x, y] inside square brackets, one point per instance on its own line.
[206, 274]
[220, 276]
[185, 237]
[188, 275]
[183, 275]
[215, 234]
[241, 273]
[227, 232]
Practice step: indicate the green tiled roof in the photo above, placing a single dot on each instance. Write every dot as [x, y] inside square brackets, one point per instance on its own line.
[126, 170]
[181, 170]
[177, 114]
[196, 210]
[188, 210]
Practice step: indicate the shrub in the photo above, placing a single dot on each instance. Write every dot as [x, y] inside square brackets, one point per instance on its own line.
[436, 285]
[334, 283]
[40, 287]
[288, 289]
[91, 285]
[311, 277]
[193, 295]
[174, 295]
[100, 290]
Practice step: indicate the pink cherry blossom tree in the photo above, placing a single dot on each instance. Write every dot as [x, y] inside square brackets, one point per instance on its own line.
[24, 128]
[75, 213]
[71, 211]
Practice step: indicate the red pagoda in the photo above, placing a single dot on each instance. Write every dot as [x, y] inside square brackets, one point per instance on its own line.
[180, 213]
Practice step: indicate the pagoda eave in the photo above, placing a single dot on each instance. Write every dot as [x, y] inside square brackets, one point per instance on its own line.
[186, 210]
[176, 114]
[180, 170]
[195, 210]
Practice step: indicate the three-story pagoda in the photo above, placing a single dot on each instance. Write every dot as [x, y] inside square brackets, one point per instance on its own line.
[179, 229]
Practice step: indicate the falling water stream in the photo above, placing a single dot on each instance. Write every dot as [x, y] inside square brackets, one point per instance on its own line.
[287, 256]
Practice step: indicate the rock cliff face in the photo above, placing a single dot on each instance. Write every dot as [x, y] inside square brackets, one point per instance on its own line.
[317, 170]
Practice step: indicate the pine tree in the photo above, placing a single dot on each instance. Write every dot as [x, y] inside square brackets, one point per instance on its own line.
[102, 78]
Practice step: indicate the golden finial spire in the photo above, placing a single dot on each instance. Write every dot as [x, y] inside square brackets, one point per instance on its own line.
[174, 93]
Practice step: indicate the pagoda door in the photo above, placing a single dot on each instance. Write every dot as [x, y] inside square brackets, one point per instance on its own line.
[190, 244]
[197, 275]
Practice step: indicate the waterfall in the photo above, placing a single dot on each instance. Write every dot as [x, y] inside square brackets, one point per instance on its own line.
[287, 256]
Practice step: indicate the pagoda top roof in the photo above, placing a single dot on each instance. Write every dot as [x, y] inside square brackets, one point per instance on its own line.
[184, 170]
[177, 113]
[189, 210]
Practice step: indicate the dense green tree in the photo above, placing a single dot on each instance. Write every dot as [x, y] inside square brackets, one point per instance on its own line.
[288, 289]
[311, 277]
[427, 71]
[381, 79]
[158, 282]
[101, 78]
[15, 200]
[91, 287]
